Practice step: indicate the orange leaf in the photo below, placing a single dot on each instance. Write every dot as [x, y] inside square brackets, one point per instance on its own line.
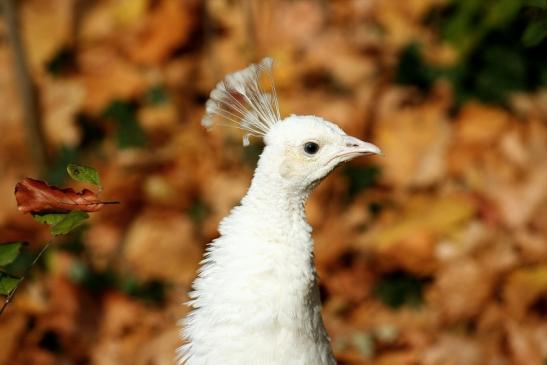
[38, 197]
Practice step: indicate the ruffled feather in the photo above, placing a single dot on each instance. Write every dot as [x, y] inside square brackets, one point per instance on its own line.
[240, 101]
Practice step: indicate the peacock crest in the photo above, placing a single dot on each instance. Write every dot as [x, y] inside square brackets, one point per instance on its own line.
[246, 100]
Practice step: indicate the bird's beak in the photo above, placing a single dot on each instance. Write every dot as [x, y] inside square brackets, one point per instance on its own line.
[357, 146]
[354, 147]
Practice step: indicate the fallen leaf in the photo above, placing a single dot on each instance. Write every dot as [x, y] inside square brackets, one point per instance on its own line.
[416, 139]
[152, 39]
[480, 124]
[523, 287]
[454, 350]
[409, 241]
[461, 290]
[160, 246]
[46, 27]
[12, 329]
[441, 216]
[106, 76]
[38, 197]
[521, 344]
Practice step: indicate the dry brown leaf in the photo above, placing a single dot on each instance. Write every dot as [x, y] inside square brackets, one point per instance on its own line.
[461, 289]
[36, 196]
[12, 327]
[530, 105]
[531, 245]
[524, 348]
[454, 350]
[124, 328]
[416, 139]
[102, 240]
[155, 36]
[523, 287]
[409, 241]
[518, 201]
[296, 22]
[480, 124]
[156, 118]
[160, 245]
[399, 357]
[353, 284]
[64, 308]
[106, 76]
[160, 349]
[415, 254]
[62, 99]
[401, 20]
[47, 27]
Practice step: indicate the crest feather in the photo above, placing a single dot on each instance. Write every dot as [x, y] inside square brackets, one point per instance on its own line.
[240, 101]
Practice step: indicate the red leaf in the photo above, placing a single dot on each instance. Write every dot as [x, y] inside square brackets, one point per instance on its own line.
[38, 197]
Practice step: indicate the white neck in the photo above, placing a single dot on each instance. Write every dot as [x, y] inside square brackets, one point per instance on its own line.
[256, 300]
[277, 208]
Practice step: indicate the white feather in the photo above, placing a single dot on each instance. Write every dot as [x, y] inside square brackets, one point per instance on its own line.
[239, 101]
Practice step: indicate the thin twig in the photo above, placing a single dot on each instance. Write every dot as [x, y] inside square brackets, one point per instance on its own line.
[27, 91]
[12, 293]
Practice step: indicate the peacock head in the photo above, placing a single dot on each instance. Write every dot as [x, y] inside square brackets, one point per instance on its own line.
[309, 148]
[303, 149]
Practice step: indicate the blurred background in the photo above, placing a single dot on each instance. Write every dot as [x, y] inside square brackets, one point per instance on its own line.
[435, 254]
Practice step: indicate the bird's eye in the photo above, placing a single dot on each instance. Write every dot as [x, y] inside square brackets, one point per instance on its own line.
[311, 148]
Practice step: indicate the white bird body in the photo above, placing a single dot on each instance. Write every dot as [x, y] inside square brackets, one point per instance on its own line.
[256, 299]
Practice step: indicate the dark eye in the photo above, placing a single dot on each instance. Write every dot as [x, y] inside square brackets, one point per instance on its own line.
[311, 148]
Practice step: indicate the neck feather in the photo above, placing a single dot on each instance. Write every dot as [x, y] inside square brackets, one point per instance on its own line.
[274, 203]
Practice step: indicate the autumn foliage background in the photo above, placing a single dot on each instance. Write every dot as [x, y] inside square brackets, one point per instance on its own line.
[435, 254]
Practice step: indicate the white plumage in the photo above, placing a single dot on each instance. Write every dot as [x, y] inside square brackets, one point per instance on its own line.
[256, 299]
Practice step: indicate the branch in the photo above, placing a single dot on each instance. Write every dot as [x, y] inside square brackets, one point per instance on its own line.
[27, 91]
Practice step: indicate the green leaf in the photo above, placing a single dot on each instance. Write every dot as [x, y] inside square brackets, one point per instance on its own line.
[156, 95]
[413, 70]
[536, 3]
[9, 252]
[7, 283]
[83, 174]
[20, 265]
[151, 291]
[129, 133]
[501, 12]
[535, 32]
[361, 178]
[49, 218]
[399, 288]
[69, 222]
[456, 27]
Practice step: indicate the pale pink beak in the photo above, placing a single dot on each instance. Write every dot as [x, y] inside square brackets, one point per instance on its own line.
[355, 145]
